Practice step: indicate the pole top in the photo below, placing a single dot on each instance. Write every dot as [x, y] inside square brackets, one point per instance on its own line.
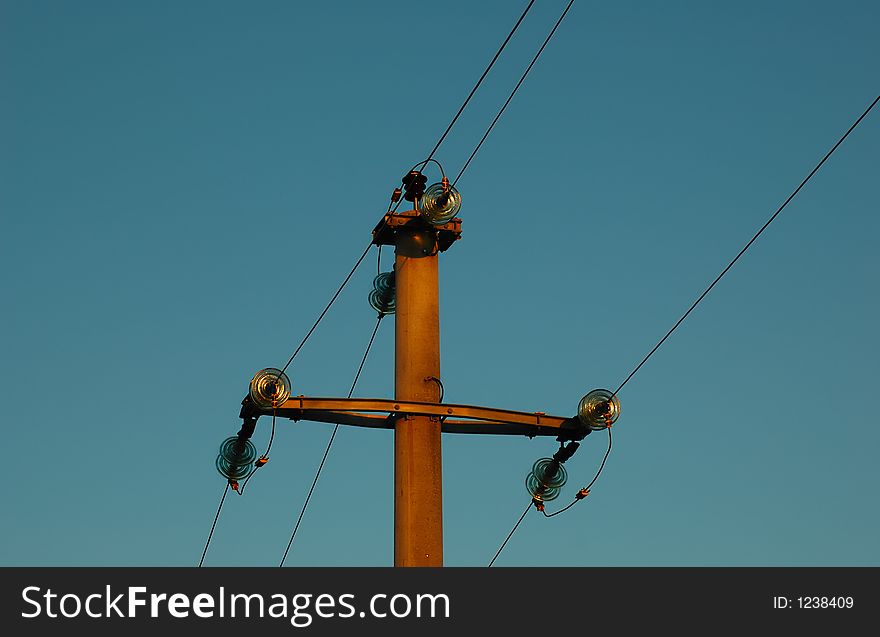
[385, 231]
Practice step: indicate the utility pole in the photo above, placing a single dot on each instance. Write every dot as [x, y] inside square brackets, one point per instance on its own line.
[418, 494]
[416, 414]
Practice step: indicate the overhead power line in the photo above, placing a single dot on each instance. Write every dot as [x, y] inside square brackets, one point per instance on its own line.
[351, 274]
[748, 245]
[513, 92]
[562, 510]
[214, 525]
[480, 81]
[424, 163]
[510, 535]
[330, 444]
[326, 308]
[590, 485]
[695, 303]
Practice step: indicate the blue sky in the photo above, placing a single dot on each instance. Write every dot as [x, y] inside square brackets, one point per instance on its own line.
[185, 184]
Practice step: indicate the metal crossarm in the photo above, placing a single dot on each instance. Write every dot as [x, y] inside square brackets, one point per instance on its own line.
[462, 419]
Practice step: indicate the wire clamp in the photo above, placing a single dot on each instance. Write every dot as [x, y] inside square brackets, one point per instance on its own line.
[583, 493]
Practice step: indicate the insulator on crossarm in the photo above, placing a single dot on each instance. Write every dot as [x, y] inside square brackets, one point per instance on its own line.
[269, 388]
[598, 409]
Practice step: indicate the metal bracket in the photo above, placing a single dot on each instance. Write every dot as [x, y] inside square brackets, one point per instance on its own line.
[381, 413]
[447, 234]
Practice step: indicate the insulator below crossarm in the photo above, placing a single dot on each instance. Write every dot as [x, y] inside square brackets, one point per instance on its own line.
[546, 479]
[540, 492]
[235, 458]
[549, 472]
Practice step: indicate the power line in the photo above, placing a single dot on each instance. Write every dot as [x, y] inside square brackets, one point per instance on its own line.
[345, 282]
[566, 508]
[328, 306]
[700, 298]
[480, 81]
[421, 165]
[214, 525]
[509, 535]
[272, 435]
[330, 443]
[265, 456]
[424, 163]
[748, 245]
[515, 89]
[589, 486]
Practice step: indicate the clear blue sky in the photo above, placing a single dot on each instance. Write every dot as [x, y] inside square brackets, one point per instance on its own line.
[184, 184]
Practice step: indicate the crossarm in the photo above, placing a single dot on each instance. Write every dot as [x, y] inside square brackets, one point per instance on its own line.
[465, 419]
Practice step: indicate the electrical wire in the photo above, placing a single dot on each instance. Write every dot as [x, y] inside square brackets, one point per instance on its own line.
[748, 245]
[586, 488]
[351, 273]
[515, 89]
[214, 525]
[328, 306]
[480, 81]
[330, 443]
[265, 455]
[421, 165]
[509, 535]
[705, 292]
[289, 361]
